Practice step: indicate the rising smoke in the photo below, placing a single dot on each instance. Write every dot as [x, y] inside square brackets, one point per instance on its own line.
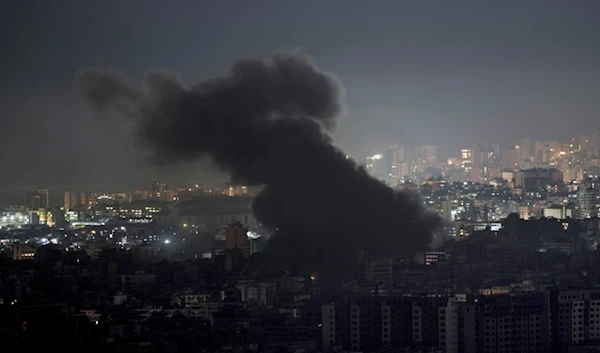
[266, 123]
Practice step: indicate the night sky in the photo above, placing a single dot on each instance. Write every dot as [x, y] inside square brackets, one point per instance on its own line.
[443, 72]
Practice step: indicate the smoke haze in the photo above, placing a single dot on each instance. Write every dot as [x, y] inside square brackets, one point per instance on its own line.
[266, 122]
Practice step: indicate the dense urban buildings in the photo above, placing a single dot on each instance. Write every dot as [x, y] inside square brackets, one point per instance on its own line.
[424, 179]
[514, 267]
[577, 159]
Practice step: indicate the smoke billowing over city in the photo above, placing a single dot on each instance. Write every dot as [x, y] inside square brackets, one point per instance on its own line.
[421, 176]
[266, 122]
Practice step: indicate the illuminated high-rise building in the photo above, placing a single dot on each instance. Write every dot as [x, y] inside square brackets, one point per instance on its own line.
[466, 158]
[74, 199]
[70, 200]
[91, 198]
[86, 199]
[391, 156]
[426, 156]
[588, 200]
[546, 152]
[394, 163]
[82, 199]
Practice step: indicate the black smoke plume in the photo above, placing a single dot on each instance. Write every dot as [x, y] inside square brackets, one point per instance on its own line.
[266, 123]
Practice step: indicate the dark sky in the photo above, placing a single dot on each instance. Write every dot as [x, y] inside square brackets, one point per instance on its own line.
[416, 71]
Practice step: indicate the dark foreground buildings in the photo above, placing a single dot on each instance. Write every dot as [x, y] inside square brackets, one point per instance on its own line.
[515, 286]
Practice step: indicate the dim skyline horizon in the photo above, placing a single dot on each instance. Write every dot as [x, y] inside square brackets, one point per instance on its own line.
[449, 75]
[216, 178]
[300, 176]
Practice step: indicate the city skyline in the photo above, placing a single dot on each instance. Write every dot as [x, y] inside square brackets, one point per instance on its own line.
[311, 177]
[394, 165]
[451, 75]
[16, 196]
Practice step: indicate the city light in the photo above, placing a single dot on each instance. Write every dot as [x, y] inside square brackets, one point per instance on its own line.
[253, 235]
[465, 215]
